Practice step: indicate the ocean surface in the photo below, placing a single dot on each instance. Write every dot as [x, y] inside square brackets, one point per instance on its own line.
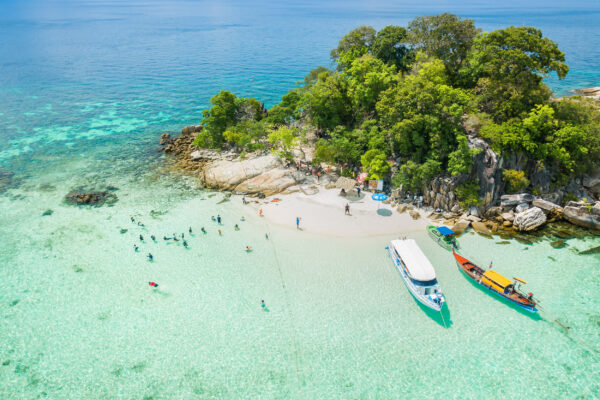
[86, 88]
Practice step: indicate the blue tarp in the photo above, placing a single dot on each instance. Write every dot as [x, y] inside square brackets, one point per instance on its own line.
[444, 230]
[379, 197]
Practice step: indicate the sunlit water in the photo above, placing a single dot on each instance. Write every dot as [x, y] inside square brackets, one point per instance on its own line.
[87, 87]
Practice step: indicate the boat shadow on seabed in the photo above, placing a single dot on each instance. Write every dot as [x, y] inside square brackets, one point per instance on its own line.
[441, 317]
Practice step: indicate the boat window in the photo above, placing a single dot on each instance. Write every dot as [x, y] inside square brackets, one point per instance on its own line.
[427, 290]
[432, 282]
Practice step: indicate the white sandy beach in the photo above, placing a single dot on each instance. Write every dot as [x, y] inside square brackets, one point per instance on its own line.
[323, 213]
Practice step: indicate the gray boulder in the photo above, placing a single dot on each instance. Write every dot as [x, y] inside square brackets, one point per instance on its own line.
[461, 226]
[581, 216]
[530, 219]
[516, 199]
[546, 205]
[521, 207]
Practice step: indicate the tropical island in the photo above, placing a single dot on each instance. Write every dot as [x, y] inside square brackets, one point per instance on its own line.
[447, 116]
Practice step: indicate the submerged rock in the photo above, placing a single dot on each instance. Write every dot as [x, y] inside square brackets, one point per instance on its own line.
[558, 244]
[530, 219]
[414, 214]
[592, 250]
[47, 212]
[481, 228]
[77, 197]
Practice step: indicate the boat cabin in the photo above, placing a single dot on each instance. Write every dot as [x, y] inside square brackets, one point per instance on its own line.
[496, 281]
[418, 268]
[445, 231]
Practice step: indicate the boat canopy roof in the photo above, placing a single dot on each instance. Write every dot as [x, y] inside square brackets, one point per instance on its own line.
[444, 230]
[497, 278]
[416, 262]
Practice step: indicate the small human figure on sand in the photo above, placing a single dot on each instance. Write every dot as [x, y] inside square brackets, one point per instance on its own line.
[347, 209]
[297, 222]
[358, 191]
[244, 200]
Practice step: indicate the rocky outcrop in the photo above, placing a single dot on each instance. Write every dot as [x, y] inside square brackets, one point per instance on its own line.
[7, 180]
[439, 193]
[269, 183]
[487, 167]
[581, 215]
[225, 174]
[344, 183]
[516, 199]
[529, 220]
[191, 129]
[92, 198]
[461, 226]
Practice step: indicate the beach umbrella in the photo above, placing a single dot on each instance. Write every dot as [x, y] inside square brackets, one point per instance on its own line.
[379, 197]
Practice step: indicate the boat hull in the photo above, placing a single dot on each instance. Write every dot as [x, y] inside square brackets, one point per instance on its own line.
[461, 262]
[439, 239]
[411, 288]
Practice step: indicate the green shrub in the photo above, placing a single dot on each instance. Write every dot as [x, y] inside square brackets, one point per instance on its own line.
[516, 181]
[468, 194]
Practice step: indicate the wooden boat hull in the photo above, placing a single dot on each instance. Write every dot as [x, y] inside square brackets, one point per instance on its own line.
[463, 265]
[439, 239]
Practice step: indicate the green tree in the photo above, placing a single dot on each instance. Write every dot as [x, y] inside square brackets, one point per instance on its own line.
[391, 46]
[447, 37]
[285, 138]
[423, 114]
[216, 120]
[326, 102]
[468, 194]
[368, 78]
[460, 161]
[353, 45]
[507, 67]
[375, 163]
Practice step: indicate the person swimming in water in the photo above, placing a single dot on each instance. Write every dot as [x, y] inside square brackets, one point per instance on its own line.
[140, 224]
[213, 218]
[153, 284]
[153, 238]
[262, 304]
[132, 219]
[220, 233]
[135, 247]
[219, 219]
[150, 256]
[243, 218]
[182, 236]
[185, 244]
[248, 249]
[260, 212]
[266, 235]
[236, 227]
[203, 230]
[190, 230]
[141, 238]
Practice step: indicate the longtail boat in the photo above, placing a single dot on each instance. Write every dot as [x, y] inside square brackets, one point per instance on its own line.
[444, 236]
[497, 284]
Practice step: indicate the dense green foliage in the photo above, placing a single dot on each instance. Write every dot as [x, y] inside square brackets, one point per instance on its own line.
[516, 181]
[401, 96]
[468, 194]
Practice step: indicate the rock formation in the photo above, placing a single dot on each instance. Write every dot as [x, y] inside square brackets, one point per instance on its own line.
[529, 220]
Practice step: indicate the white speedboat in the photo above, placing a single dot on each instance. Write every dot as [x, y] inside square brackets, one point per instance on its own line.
[417, 272]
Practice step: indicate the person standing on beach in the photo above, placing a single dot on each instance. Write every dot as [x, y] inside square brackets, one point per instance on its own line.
[347, 208]
[297, 222]
[358, 190]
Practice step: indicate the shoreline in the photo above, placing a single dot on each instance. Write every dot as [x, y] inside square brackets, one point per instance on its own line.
[323, 213]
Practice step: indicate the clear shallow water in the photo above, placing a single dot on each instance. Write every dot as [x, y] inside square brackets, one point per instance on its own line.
[87, 87]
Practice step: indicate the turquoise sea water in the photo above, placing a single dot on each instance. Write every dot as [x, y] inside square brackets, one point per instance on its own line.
[85, 89]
